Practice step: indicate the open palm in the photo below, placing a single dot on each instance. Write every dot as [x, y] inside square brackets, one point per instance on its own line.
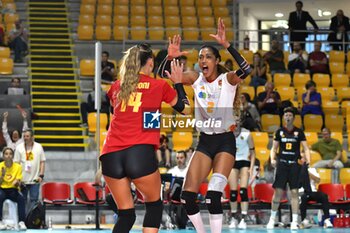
[174, 47]
[220, 35]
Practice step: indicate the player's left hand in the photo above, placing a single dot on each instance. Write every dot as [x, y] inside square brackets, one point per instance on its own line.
[174, 50]
[176, 71]
[220, 35]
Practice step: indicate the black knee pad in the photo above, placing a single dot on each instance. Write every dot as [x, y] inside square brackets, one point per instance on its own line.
[213, 201]
[153, 216]
[189, 202]
[233, 195]
[126, 219]
[243, 192]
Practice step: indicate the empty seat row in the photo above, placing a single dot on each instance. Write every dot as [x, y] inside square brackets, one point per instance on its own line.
[156, 2]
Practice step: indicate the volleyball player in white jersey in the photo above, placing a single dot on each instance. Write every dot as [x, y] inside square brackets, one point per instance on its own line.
[215, 93]
[244, 165]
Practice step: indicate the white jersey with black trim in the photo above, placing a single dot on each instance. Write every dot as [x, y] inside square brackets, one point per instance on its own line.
[242, 145]
[214, 104]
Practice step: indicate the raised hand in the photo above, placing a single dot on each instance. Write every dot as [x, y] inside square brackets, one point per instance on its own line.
[5, 114]
[220, 35]
[24, 114]
[176, 71]
[174, 47]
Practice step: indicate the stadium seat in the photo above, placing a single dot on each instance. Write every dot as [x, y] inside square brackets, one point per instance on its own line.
[281, 79]
[189, 91]
[334, 122]
[155, 10]
[206, 22]
[261, 139]
[205, 33]
[88, 2]
[188, 11]
[286, 92]
[221, 12]
[154, 2]
[189, 21]
[6, 66]
[5, 52]
[103, 32]
[221, 3]
[171, 11]
[186, 2]
[120, 20]
[10, 18]
[138, 10]
[337, 67]
[248, 55]
[312, 123]
[340, 80]
[249, 90]
[171, 31]
[330, 107]
[336, 56]
[87, 67]
[262, 154]
[105, 2]
[297, 121]
[105, 20]
[85, 32]
[300, 91]
[138, 33]
[264, 193]
[260, 89]
[202, 2]
[170, 2]
[322, 80]
[190, 33]
[104, 9]
[121, 10]
[182, 140]
[56, 193]
[155, 21]
[204, 11]
[347, 191]
[335, 193]
[87, 9]
[120, 32]
[86, 19]
[172, 21]
[338, 136]
[343, 93]
[138, 20]
[270, 123]
[89, 193]
[348, 68]
[229, 34]
[327, 93]
[311, 137]
[344, 177]
[137, 2]
[247, 80]
[314, 156]
[325, 175]
[92, 121]
[121, 2]
[156, 33]
[299, 79]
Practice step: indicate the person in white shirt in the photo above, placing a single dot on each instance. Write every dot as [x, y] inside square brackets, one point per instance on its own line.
[14, 138]
[31, 156]
[180, 169]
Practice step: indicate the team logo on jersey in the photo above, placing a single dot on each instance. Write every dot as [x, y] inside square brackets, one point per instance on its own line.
[296, 134]
[281, 134]
[202, 95]
[151, 120]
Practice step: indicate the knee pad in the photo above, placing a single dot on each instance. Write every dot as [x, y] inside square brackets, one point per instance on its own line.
[217, 182]
[243, 192]
[188, 200]
[213, 202]
[233, 195]
[153, 216]
[126, 219]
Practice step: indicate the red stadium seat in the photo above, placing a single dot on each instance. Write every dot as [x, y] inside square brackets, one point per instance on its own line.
[56, 193]
[347, 191]
[89, 190]
[264, 193]
[335, 193]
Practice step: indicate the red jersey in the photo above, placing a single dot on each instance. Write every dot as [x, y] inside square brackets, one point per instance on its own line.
[127, 127]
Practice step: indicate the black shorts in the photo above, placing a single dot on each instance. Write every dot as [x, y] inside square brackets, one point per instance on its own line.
[287, 173]
[240, 164]
[212, 144]
[133, 162]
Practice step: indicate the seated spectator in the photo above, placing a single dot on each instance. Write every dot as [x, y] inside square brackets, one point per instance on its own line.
[229, 64]
[163, 152]
[330, 150]
[18, 41]
[275, 59]
[10, 179]
[15, 88]
[318, 62]
[107, 69]
[297, 60]
[250, 118]
[340, 27]
[180, 169]
[14, 138]
[259, 71]
[269, 100]
[312, 101]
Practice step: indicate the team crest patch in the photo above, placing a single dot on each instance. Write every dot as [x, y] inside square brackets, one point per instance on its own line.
[296, 134]
[281, 134]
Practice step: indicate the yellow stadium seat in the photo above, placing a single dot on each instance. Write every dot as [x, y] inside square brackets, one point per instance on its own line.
[85, 32]
[338, 136]
[327, 93]
[189, 91]
[314, 156]
[103, 32]
[262, 154]
[121, 20]
[120, 32]
[344, 176]
[348, 67]
[188, 11]
[138, 10]
[336, 56]
[6, 65]
[334, 122]
[248, 55]
[203, 2]
[172, 31]
[192, 55]
[337, 67]
[92, 121]
[247, 80]
[10, 27]
[205, 33]
[186, 2]
[182, 140]
[5, 52]
[345, 108]
[105, 2]
[138, 33]
[204, 11]
[170, 2]
[87, 67]
[11, 6]
[322, 80]
[299, 79]
[207, 22]
[190, 33]
[221, 12]
[280, 79]
[121, 10]
[10, 18]
[138, 20]
[311, 137]
[103, 20]
[249, 90]
[155, 21]
[88, 2]
[270, 123]
[312, 123]
[137, 2]
[330, 107]
[189, 21]
[340, 80]
[172, 21]
[325, 175]
[286, 93]
[156, 33]
[229, 35]
[87, 9]
[297, 121]
[260, 89]
[155, 10]
[154, 2]
[285, 57]
[343, 93]
[221, 3]
[103, 135]
[171, 11]
[227, 20]
[121, 2]
[104, 9]
[344, 156]
[225, 54]
[261, 139]
[86, 19]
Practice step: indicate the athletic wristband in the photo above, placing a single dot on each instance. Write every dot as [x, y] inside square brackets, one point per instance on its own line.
[41, 176]
[181, 97]
[244, 67]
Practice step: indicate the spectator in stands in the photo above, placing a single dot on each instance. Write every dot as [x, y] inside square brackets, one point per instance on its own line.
[318, 61]
[250, 118]
[10, 180]
[259, 71]
[275, 59]
[312, 101]
[18, 41]
[164, 152]
[340, 26]
[297, 21]
[14, 138]
[107, 69]
[180, 169]
[30, 155]
[330, 150]
[229, 64]
[297, 60]
[269, 100]
[15, 88]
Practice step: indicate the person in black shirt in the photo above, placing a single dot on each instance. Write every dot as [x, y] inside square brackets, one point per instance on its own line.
[107, 69]
[269, 100]
[286, 143]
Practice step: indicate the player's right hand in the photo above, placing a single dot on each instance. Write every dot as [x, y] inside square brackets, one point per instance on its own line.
[174, 50]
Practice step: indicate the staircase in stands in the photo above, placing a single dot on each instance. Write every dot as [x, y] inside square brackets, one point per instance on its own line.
[55, 87]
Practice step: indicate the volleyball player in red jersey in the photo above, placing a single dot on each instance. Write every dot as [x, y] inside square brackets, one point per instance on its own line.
[129, 150]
